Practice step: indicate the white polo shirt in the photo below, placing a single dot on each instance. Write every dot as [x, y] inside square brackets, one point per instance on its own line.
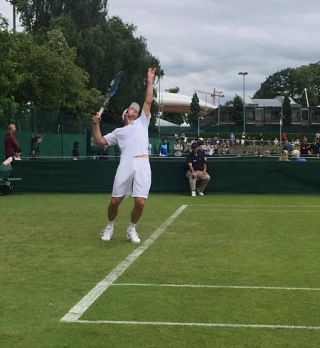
[132, 139]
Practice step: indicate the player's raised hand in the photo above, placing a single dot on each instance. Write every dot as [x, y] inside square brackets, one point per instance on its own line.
[96, 119]
[151, 73]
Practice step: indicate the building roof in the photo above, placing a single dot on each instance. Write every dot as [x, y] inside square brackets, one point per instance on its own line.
[275, 102]
[175, 102]
[165, 123]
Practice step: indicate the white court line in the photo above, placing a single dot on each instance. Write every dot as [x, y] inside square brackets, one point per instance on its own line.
[207, 208]
[165, 323]
[77, 311]
[253, 205]
[218, 286]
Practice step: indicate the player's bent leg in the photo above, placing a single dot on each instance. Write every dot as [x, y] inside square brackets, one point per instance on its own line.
[136, 213]
[114, 207]
[137, 209]
[112, 214]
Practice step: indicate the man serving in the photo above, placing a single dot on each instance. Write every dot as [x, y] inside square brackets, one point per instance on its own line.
[133, 176]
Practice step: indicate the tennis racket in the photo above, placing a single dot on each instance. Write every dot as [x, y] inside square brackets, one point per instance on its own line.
[111, 91]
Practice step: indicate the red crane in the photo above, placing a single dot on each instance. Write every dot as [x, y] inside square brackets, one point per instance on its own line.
[213, 94]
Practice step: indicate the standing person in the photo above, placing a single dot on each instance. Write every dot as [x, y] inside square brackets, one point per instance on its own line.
[35, 146]
[11, 145]
[133, 176]
[196, 170]
[75, 150]
[103, 153]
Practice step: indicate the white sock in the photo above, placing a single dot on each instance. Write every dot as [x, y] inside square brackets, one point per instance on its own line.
[110, 223]
[132, 225]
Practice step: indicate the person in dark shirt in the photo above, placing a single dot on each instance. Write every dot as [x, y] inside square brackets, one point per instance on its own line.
[196, 170]
[103, 153]
[75, 150]
[304, 147]
[315, 147]
[35, 146]
[11, 145]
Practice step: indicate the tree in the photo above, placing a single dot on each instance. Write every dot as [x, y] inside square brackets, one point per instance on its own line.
[237, 110]
[194, 111]
[3, 22]
[82, 49]
[39, 14]
[294, 81]
[9, 78]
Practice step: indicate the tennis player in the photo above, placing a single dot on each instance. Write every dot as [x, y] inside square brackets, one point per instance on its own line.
[133, 176]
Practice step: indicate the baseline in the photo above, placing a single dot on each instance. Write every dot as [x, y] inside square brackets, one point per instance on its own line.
[284, 288]
[221, 325]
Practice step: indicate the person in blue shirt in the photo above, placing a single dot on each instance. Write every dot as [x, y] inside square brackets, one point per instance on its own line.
[296, 156]
[164, 148]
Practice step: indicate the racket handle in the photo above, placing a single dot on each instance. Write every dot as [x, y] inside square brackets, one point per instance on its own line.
[100, 111]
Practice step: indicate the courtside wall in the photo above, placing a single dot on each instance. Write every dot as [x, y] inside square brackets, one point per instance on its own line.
[243, 175]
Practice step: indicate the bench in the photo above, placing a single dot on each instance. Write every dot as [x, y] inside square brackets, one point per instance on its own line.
[6, 179]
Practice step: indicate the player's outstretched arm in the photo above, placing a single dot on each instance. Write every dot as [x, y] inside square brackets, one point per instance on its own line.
[149, 91]
[97, 136]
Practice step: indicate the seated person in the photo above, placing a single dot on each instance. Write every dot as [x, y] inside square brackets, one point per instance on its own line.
[296, 156]
[284, 156]
[164, 148]
[177, 148]
[16, 157]
[196, 170]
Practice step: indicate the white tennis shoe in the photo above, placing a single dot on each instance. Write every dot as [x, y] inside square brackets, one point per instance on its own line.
[133, 235]
[107, 233]
[193, 194]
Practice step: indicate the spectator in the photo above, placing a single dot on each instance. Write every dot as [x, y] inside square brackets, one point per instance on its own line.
[35, 146]
[103, 152]
[284, 156]
[11, 144]
[16, 157]
[75, 150]
[315, 147]
[304, 147]
[286, 144]
[296, 156]
[232, 138]
[164, 148]
[177, 148]
[196, 170]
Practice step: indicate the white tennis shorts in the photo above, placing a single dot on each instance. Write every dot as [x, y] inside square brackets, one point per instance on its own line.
[133, 178]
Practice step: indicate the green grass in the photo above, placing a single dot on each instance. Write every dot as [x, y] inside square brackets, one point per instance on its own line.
[51, 256]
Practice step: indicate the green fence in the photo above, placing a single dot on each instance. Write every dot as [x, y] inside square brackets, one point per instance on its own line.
[243, 175]
[53, 145]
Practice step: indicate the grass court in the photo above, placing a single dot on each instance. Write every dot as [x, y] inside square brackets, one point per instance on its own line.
[221, 270]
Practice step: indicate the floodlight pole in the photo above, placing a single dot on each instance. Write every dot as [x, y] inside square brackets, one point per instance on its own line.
[14, 18]
[220, 94]
[199, 118]
[244, 99]
[159, 107]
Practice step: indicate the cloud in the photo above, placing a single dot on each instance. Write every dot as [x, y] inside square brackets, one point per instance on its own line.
[204, 44]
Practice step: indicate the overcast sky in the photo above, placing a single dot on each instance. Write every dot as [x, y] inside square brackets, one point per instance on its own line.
[203, 44]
